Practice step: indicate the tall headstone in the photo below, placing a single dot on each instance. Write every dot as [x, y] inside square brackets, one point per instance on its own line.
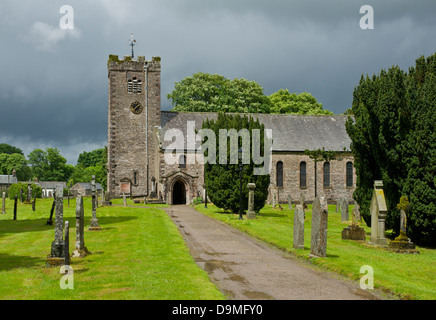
[124, 199]
[402, 243]
[34, 203]
[80, 249]
[57, 254]
[344, 210]
[4, 203]
[356, 213]
[303, 200]
[67, 243]
[29, 194]
[94, 221]
[338, 204]
[50, 219]
[378, 212]
[289, 202]
[298, 236]
[274, 197]
[15, 207]
[318, 245]
[251, 214]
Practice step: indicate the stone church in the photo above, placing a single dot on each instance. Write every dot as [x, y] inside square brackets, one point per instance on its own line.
[136, 145]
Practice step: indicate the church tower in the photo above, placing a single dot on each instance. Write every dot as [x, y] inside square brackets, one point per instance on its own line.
[133, 113]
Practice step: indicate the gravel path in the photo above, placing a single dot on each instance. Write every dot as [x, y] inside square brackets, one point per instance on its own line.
[244, 268]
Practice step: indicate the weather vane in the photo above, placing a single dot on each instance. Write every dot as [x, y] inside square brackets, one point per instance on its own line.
[132, 44]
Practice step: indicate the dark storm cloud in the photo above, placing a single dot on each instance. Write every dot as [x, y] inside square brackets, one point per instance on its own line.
[53, 83]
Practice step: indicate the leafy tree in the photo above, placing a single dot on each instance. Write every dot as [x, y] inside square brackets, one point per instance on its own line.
[14, 190]
[92, 158]
[6, 148]
[89, 164]
[222, 180]
[283, 101]
[9, 162]
[49, 165]
[204, 92]
[393, 139]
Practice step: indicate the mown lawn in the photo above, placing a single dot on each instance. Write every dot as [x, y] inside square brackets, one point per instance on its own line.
[409, 276]
[138, 254]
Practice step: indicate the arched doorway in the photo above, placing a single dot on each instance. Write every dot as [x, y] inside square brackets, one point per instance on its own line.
[179, 193]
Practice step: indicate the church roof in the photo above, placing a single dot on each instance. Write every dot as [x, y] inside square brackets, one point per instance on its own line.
[291, 133]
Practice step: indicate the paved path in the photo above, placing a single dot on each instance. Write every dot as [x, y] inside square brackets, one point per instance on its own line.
[244, 268]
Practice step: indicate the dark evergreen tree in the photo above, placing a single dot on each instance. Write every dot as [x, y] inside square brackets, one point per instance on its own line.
[222, 180]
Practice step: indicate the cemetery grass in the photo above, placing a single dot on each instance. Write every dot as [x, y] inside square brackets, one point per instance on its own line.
[139, 254]
[407, 276]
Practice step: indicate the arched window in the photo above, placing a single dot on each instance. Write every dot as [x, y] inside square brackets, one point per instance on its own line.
[182, 162]
[279, 174]
[326, 172]
[303, 175]
[349, 174]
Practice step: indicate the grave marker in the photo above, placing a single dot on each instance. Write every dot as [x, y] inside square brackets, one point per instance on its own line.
[57, 254]
[318, 245]
[4, 203]
[378, 212]
[250, 212]
[298, 236]
[94, 221]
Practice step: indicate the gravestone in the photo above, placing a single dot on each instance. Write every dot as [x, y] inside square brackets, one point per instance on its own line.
[124, 199]
[344, 209]
[21, 195]
[67, 243]
[107, 200]
[303, 200]
[378, 212]
[289, 202]
[57, 254]
[274, 197]
[354, 232]
[338, 204]
[15, 207]
[356, 212]
[250, 212]
[34, 203]
[4, 203]
[402, 243]
[29, 194]
[80, 249]
[50, 219]
[318, 245]
[298, 236]
[94, 226]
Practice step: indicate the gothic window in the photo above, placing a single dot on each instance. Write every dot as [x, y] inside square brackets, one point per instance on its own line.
[349, 174]
[303, 175]
[182, 162]
[134, 86]
[135, 178]
[279, 174]
[326, 172]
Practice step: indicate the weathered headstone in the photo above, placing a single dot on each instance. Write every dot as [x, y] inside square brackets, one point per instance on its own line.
[107, 200]
[354, 232]
[338, 204]
[67, 243]
[289, 202]
[250, 212]
[402, 243]
[124, 199]
[378, 212]
[4, 203]
[80, 249]
[29, 194]
[94, 221]
[356, 212]
[303, 200]
[57, 254]
[344, 210]
[34, 203]
[298, 236]
[15, 207]
[318, 245]
[274, 198]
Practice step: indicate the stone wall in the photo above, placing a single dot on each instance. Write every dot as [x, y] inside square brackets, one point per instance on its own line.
[291, 178]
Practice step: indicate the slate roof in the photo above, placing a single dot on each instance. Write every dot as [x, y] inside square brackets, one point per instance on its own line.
[51, 184]
[88, 185]
[8, 179]
[291, 133]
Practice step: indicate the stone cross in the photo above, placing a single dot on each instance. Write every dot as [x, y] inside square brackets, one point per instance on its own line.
[378, 212]
[344, 209]
[289, 202]
[250, 213]
[298, 242]
[4, 203]
[80, 249]
[403, 220]
[94, 221]
[318, 246]
[58, 245]
[67, 243]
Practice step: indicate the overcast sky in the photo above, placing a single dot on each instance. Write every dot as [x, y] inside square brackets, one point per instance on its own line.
[53, 82]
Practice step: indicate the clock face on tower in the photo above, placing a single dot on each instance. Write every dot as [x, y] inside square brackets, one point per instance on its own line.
[136, 107]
